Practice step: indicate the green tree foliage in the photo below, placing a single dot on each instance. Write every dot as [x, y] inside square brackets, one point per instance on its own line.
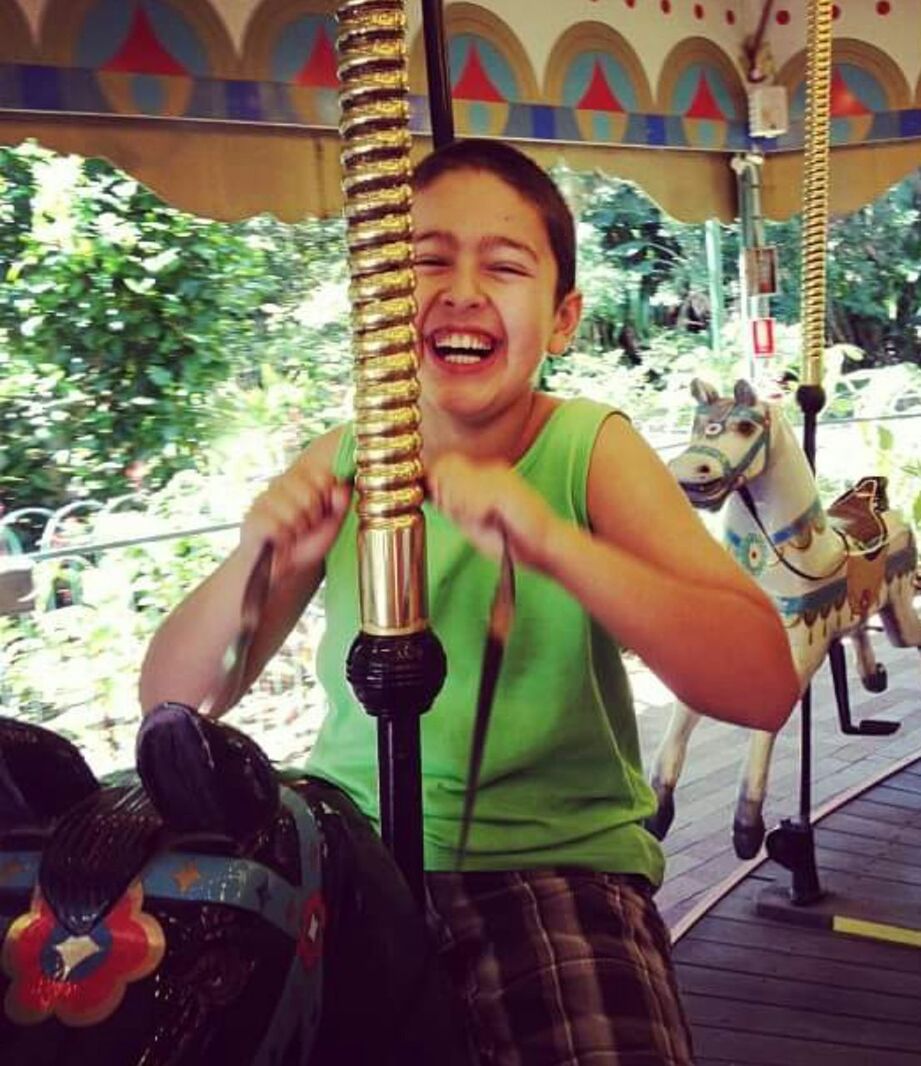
[640, 269]
[874, 275]
[121, 320]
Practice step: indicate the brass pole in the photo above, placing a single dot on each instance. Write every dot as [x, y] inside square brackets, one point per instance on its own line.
[815, 187]
[396, 665]
[792, 843]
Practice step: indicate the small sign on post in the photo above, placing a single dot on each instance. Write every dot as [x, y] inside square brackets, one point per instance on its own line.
[763, 336]
[761, 271]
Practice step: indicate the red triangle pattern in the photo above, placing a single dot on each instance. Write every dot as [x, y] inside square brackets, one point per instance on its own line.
[844, 103]
[142, 53]
[474, 83]
[320, 68]
[599, 96]
[704, 104]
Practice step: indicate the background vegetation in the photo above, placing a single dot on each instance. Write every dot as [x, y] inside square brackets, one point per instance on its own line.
[155, 367]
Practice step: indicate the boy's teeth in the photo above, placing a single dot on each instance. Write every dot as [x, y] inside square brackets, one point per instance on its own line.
[464, 340]
[458, 347]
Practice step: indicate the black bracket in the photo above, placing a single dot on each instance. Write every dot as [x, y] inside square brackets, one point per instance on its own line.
[866, 727]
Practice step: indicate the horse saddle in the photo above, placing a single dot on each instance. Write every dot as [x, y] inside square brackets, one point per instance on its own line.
[858, 514]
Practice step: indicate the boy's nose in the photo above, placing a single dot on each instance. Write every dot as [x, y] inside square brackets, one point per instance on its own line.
[462, 291]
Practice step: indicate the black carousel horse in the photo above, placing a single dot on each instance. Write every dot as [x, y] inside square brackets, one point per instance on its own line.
[205, 910]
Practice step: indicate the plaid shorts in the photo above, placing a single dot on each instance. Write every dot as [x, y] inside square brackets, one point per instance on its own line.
[560, 967]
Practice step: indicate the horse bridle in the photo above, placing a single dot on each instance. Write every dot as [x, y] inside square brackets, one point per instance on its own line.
[749, 502]
[732, 475]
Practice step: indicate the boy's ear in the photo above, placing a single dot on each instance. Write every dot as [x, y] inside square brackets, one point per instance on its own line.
[565, 322]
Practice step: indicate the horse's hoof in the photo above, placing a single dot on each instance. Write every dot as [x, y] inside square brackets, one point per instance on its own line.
[747, 838]
[659, 823]
[877, 681]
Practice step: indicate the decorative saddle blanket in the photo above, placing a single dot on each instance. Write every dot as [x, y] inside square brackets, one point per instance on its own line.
[858, 513]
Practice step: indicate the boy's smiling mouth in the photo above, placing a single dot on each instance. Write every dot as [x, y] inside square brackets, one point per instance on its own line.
[461, 347]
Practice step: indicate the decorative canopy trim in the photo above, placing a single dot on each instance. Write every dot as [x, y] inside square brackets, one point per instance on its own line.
[714, 74]
[471, 20]
[65, 25]
[272, 22]
[845, 50]
[589, 39]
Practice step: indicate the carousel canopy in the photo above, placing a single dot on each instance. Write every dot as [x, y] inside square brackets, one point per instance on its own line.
[228, 108]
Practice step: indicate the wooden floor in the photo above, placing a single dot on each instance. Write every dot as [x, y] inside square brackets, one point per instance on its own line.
[699, 845]
[759, 990]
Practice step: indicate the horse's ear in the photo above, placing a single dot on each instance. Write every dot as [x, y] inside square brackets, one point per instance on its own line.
[744, 393]
[703, 392]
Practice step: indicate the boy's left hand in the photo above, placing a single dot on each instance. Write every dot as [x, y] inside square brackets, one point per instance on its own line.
[490, 500]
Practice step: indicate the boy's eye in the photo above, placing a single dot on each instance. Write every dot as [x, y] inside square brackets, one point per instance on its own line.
[429, 260]
[507, 268]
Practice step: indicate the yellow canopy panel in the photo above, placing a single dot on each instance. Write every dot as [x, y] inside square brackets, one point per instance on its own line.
[229, 107]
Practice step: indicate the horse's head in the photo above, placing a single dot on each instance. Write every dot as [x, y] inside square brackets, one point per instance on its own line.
[729, 444]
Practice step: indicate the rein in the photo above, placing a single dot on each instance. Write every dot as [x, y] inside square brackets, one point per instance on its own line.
[746, 495]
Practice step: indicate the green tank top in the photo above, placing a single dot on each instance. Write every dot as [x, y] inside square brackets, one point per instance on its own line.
[561, 781]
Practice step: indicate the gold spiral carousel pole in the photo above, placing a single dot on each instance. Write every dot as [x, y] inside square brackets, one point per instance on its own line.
[396, 665]
[815, 191]
[792, 843]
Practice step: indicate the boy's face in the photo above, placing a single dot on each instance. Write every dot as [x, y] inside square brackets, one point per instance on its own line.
[485, 285]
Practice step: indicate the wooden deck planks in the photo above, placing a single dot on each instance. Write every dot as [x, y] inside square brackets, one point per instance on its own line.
[795, 969]
[706, 794]
[760, 992]
[806, 1023]
[836, 997]
[741, 1048]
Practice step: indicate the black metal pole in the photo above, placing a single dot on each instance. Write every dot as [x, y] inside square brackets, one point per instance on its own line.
[792, 843]
[437, 72]
[811, 400]
[396, 680]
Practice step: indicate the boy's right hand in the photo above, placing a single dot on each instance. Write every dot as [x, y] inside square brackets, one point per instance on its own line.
[300, 513]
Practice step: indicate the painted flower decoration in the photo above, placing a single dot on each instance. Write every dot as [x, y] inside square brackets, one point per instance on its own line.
[80, 980]
[310, 936]
[752, 555]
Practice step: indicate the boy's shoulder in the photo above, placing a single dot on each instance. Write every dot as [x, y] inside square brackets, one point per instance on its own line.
[324, 452]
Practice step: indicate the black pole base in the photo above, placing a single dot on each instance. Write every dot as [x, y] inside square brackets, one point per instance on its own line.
[396, 679]
[792, 845]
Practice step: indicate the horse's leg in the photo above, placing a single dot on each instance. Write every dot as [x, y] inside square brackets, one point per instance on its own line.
[903, 626]
[667, 767]
[872, 674]
[748, 822]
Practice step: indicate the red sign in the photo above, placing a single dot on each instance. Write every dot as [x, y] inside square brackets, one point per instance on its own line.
[763, 336]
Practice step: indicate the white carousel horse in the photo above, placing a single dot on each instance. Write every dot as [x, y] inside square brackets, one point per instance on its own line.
[827, 571]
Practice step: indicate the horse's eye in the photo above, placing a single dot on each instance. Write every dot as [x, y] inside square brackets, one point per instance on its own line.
[745, 427]
[713, 429]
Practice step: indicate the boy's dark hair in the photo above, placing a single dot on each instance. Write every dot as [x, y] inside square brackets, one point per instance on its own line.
[527, 179]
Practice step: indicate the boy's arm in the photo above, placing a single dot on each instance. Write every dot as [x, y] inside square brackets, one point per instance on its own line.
[656, 578]
[300, 513]
[648, 571]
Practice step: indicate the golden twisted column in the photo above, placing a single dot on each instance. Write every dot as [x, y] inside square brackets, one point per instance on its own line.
[815, 187]
[376, 181]
[396, 665]
[792, 843]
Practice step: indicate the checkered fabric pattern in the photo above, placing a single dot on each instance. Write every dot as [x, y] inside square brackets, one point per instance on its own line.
[560, 967]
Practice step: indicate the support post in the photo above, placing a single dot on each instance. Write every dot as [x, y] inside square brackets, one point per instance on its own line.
[714, 245]
[437, 70]
[396, 665]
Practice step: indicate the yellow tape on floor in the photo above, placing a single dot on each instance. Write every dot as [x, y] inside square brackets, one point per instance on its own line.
[896, 934]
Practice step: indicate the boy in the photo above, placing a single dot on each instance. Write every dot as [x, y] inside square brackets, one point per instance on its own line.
[550, 932]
